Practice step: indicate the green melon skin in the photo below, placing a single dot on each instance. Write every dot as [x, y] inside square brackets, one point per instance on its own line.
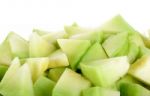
[74, 49]
[95, 52]
[70, 84]
[105, 72]
[19, 46]
[21, 83]
[99, 91]
[58, 59]
[55, 73]
[43, 86]
[140, 69]
[38, 47]
[116, 45]
[127, 89]
[3, 70]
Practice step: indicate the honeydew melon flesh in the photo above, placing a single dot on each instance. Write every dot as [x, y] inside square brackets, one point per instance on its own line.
[140, 69]
[115, 25]
[18, 85]
[144, 51]
[43, 86]
[37, 66]
[19, 46]
[3, 70]
[128, 89]
[99, 91]
[105, 72]
[58, 59]
[116, 45]
[95, 52]
[133, 52]
[74, 49]
[5, 54]
[70, 84]
[40, 31]
[55, 73]
[92, 36]
[38, 47]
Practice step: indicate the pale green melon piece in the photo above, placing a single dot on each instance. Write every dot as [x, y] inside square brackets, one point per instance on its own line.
[144, 51]
[141, 69]
[5, 54]
[37, 66]
[133, 52]
[129, 89]
[43, 86]
[99, 91]
[18, 85]
[52, 37]
[95, 52]
[40, 31]
[92, 36]
[19, 46]
[3, 69]
[58, 59]
[74, 49]
[70, 84]
[38, 47]
[105, 72]
[116, 24]
[116, 45]
[55, 73]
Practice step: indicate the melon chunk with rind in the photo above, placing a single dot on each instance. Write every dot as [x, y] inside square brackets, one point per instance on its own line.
[74, 49]
[37, 66]
[129, 89]
[19, 46]
[70, 84]
[99, 91]
[58, 59]
[38, 47]
[140, 69]
[116, 45]
[43, 86]
[20, 85]
[105, 72]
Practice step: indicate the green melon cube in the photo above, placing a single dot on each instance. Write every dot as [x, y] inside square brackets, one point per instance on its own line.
[99, 91]
[105, 72]
[43, 86]
[70, 84]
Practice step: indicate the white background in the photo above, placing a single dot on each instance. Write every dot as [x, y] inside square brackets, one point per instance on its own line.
[21, 16]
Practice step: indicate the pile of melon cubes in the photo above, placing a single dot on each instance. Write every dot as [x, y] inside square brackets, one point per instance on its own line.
[111, 60]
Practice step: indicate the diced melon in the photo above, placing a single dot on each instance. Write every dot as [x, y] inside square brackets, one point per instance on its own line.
[144, 51]
[127, 89]
[70, 84]
[19, 46]
[95, 52]
[99, 91]
[74, 49]
[40, 31]
[38, 47]
[5, 54]
[116, 45]
[3, 70]
[141, 69]
[43, 86]
[116, 24]
[58, 59]
[55, 73]
[133, 52]
[37, 66]
[18, 85]
[105, 72]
